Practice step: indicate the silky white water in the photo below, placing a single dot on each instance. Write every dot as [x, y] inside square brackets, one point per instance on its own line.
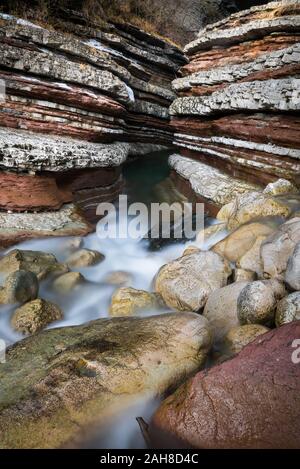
[91, 300]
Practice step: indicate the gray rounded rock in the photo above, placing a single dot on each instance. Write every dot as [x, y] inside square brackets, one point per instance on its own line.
[292, 274]
[221, 309]
[256, 303]
[19, 287]
[288, 309]
[68, 282]
[84, 258]
[186, 283]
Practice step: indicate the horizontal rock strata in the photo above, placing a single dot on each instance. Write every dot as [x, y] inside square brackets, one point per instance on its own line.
[211, 186]
[238, 101]
[17, 227]
[97, 83]
[74, 100]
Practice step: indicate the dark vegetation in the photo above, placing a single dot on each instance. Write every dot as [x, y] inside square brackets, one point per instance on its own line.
[154, 16]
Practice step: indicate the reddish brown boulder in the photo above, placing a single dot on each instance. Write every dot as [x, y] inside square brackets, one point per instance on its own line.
[251, 401]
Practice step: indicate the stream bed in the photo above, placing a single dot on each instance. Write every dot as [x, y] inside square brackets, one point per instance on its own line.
[145, 180]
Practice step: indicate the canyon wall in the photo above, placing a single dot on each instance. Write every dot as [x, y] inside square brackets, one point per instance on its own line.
[178, 20]
[186, 17]
[239, 100]
[74, 102]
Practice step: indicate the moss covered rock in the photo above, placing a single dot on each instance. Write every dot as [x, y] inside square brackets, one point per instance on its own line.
[56, 383]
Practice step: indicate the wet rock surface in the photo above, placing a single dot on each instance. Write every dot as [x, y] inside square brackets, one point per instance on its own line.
[96, 369]
[251, 401]
[84, 258]
[35, 316]
[292, 274]
[40, 263]
[288, 309]
[242, 240]
[240, 336]
[19, 287]
[129, 301]
[186, 283]
[256, 303]
[68, 282]
[17, 227]
[209, 183]
[221, 309]
[78, 104]
[279, 247]
[250, 206]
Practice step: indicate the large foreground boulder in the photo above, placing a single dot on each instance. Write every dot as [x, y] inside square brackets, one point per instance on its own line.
[251, 401]
[57, 382]
[186, 283]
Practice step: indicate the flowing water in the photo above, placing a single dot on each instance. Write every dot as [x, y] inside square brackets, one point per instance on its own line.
[146, 180]
[91, 300]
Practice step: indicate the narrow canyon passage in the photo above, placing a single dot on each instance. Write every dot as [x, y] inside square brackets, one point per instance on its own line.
[150, 225]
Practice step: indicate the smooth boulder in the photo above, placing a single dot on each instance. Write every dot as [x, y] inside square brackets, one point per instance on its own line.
[221, 309]
[19, 287]
[250, 206]
[129, 301]
[288, 309]
[279, 187]
[241, 241]
[186, 283]
[292, 274]
[278, 248]
[240, 336]
[40, 263]
[68, 282]
[96, 369]
[119, 278]
[251, 401]
[84, 258]
[241, 275]
[256, 303]
[35, 316]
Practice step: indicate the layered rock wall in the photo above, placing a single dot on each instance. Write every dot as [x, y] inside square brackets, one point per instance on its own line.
[74, 101]
[239, 101]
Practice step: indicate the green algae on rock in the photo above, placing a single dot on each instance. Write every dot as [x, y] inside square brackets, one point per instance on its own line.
[95, 369]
